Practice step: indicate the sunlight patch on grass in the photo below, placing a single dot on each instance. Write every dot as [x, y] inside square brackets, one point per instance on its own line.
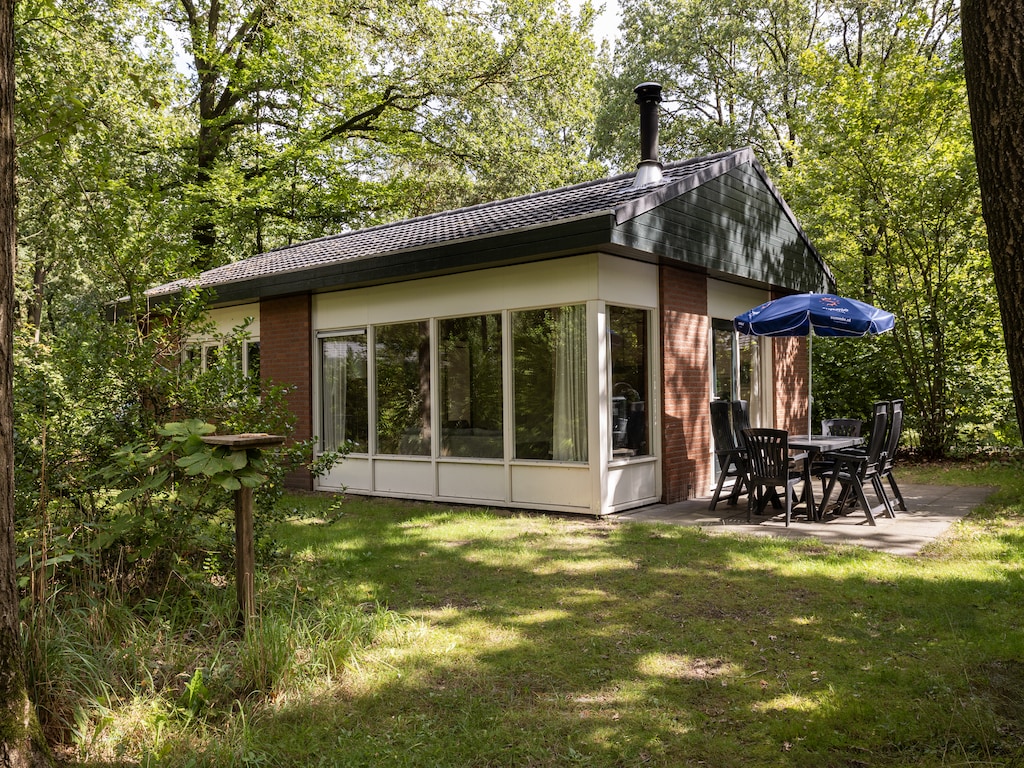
[465, 630]
[788, 703]
[541, 617]
[836, 640]
[685, 667]
[588, 565]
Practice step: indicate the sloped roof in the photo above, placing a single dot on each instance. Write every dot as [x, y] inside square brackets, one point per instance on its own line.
[559, 220]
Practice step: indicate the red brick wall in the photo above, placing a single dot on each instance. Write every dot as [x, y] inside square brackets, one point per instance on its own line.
[286, 344]
[686, 427]
[789, 362]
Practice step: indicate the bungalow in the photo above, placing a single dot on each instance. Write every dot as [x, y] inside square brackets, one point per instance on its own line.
[555, 351]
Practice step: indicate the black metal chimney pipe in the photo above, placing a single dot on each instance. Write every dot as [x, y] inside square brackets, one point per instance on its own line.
[648, 170]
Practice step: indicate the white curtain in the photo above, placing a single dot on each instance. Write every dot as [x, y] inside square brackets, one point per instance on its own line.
[570, 406]
[334, 367]
[342, 362]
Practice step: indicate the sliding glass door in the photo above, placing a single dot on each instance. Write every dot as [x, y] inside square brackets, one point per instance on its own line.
[736, 366]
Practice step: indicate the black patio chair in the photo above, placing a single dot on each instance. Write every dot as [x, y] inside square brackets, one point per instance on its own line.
[830, 427]
[855, 468]
[770, 467]
[892, 446]
[730, 453]
[740, 419]
[844, 427]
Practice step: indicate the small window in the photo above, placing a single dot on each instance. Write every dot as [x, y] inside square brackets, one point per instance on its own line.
[627, 334]
[211, 353]
[252, 359]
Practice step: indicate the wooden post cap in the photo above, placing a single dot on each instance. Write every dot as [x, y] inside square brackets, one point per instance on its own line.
[245, 440]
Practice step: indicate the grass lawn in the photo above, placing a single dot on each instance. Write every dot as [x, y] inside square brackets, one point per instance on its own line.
[525, 640]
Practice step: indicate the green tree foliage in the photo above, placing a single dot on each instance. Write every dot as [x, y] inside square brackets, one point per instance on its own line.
[860, 113]
[108, 498]
[99, 156]
[165, 136]
[888, 173]
[316, 115]
[730, 68]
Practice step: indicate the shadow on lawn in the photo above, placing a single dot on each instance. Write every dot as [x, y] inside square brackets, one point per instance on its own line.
[565, 642]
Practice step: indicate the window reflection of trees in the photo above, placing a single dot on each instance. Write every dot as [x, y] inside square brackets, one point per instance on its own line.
[402, 359]
[471, 397]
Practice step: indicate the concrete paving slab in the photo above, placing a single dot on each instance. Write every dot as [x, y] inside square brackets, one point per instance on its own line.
[932, 510]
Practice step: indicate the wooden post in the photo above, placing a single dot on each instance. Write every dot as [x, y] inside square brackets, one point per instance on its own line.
[245, 557]
[245, 547]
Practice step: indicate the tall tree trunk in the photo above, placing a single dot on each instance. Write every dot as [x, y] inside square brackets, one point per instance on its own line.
[220, 51]
[21, 742]
[204, 230]
[993, 43]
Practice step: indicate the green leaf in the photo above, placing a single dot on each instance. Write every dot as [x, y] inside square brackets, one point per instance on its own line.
[253, 480]
[203, 463]
[229, 483]
[238, 459]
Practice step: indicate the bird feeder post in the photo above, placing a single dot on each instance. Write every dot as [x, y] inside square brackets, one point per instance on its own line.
[245, 557]
[245, 547]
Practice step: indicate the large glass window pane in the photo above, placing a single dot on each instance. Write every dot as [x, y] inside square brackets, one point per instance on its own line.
[402, 358]
[627, 331]
[550, 383]
[722, 359]
[736, 366]
[471, 387]
[344, 391]
[750, 379]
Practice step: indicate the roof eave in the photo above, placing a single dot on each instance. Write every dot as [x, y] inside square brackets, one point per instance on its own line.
[537, 243]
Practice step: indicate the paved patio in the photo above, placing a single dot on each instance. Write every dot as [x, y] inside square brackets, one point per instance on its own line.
[932, 510]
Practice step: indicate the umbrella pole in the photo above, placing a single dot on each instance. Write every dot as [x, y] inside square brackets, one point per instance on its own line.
[810, 368]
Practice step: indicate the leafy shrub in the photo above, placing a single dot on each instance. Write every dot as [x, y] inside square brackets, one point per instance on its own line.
[103, 504]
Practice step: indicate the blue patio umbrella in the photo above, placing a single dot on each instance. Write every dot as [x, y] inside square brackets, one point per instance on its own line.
[810, 314]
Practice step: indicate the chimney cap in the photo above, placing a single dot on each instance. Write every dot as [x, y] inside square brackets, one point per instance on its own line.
[648, 92]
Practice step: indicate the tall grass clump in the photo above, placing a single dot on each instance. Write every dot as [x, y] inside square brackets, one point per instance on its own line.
[113, 681]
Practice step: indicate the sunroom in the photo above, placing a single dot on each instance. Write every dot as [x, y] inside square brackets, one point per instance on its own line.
[534, 387]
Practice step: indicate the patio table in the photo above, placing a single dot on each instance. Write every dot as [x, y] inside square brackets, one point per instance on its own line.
[815, 445]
